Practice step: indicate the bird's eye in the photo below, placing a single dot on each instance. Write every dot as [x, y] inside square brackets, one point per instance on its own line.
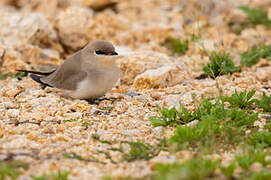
[98, 52]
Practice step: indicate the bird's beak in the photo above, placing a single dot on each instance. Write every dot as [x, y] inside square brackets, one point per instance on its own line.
[113, 53]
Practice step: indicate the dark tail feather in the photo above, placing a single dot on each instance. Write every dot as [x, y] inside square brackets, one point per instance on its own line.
[37, 72]
[37, 79]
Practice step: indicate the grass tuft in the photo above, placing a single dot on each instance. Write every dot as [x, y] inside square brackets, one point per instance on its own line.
[220, 64]
[138, 151]
[254, 54]
[18, 75]
[264, 103]
[53, 176]
[176, 46]
[242, 100]
[256, 16]
[11, 169]
[172, 117]
[196, 168]
[262, 139]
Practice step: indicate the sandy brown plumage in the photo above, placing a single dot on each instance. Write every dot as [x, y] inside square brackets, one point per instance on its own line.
[89, 73]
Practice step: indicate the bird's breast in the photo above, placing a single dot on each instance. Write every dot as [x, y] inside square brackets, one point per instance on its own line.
[95, 85]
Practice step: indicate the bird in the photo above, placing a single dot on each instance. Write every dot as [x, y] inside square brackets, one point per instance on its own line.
[88, 74]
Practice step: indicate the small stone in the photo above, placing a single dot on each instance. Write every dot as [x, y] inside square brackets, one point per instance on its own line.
[256, 167]
[267, 158]
[98, 4]
[264, 74]
[172, 101]
[157, 95]
[132, 94]
[13, 113]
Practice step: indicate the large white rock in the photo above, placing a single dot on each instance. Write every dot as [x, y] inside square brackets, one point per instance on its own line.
[136, 63]
[159, 78]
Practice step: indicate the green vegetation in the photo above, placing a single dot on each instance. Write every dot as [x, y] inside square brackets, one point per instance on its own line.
[250, 156]
[218, 125]
[252, 55]
[138, 151]
[171, 117]
[201, 167]
[222, 124]
[197, 168]
[68, 120]
[220, 64]
[261, 138]
[228, 170]
[176, 46]
[221, 127]
[53, 176]
[241, 100]
[11, 169]
[256, 16]
[264, 103]
[18, 75]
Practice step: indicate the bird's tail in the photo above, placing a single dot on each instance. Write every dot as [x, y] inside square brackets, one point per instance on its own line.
[37, 72]
[37, 79]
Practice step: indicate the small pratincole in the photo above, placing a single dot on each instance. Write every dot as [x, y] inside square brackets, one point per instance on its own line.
[87, 74]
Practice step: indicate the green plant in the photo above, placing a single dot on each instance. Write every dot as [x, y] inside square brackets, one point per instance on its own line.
[252, 55]
[265, 174]
[228, 170]
[196, 37]
[256, 16]
[138, 151]
[53, 176]
[264, 103]
[268, 126]
[192, 169]
[97, 138]
[241, 100]
[11, 169]
[217, 125]
[18, 75]
[250, 156]
[171, 117]
[260, 139]
[201, 133]
[176, 46]
[220, 64]
[68, 120]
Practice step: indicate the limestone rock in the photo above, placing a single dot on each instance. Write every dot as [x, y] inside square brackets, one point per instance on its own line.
[24, 28]
[159, 78]
[73, 24]
[48, 8]
[77, 26]
[133, 64]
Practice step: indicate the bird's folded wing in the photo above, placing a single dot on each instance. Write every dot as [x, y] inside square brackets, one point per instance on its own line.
[68, 75]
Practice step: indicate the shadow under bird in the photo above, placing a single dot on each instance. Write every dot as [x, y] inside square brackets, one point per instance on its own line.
[87, 74]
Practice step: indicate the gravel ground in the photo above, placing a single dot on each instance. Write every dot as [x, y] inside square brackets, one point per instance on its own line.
[37, 126]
